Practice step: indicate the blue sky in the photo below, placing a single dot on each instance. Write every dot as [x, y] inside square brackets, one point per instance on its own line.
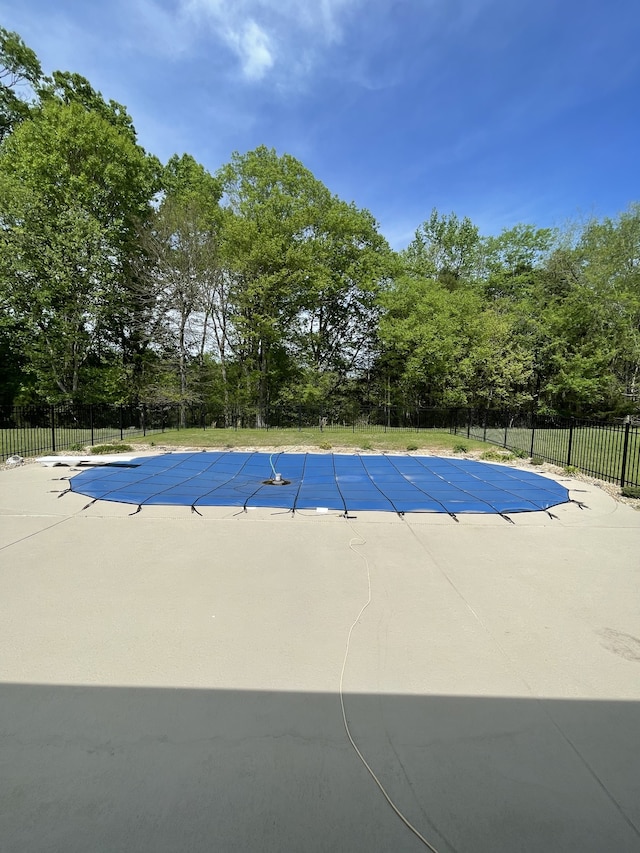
[504, 111]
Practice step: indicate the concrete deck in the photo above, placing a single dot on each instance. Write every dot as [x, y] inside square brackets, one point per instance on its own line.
[169, 682]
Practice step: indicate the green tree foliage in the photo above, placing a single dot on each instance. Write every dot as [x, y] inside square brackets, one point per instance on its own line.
[454, 349]
[304, 269]
[184, 272]
[336, 327]
[445, 249]
[67, 88]
[73, 190]
[512, 262]
[591, 302]
[20, 74]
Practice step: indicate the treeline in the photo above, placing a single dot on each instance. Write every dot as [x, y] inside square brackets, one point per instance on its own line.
[123, 279]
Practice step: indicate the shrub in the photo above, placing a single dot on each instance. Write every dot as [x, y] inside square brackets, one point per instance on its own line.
[497, 456]
[631, 491]
[460, 448]
[412, 446]
[571, 469]
[325, 446]
[536, 460]
[101, 449]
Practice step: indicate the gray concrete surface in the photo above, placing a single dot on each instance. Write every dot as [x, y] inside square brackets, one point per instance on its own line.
[169, 682]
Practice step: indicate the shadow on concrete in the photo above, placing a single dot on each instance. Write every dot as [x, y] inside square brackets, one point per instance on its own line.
[142, 769]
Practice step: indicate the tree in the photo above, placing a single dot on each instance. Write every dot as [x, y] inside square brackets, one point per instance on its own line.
[445, 249]
[591, 310]
[348, 262]
[450, 348]
[185, 269]
[20, 72]
[304, 270]
[513, 259]
[66, 87]
[73, 191]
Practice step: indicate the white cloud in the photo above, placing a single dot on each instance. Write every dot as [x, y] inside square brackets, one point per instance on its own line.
[252, 45]
[264, 35]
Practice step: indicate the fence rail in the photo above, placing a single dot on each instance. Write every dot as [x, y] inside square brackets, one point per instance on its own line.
[609, 451]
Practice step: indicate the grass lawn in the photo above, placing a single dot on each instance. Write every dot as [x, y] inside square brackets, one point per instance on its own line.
[314, 439]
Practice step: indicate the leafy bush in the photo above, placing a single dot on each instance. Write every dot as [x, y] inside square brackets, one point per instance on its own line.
[460, 448]
[325, 446]
[101, 449]
[497, 456]
[631, 491]
[536, 460]
[412, 446]
[571, 469]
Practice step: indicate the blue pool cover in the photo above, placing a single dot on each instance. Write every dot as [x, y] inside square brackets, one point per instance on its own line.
[345, 483]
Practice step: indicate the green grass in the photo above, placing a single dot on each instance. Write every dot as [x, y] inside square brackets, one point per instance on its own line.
[310, 438]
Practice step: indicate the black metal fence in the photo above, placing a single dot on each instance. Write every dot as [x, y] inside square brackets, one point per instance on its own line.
[609, 451]
[32, 430]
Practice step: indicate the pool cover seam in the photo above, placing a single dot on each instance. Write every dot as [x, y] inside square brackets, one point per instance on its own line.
[386, 497]
[297, 495]
[420, 489]
[335, 477]
[470, 494]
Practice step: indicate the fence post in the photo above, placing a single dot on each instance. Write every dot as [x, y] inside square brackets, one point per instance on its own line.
[144, 421]
[533, 433]
[625, 450]
[468, 423]
[121, 424]
[52, 411]
[570, 442]
[91, 423]
[506, 427]
[484, 426]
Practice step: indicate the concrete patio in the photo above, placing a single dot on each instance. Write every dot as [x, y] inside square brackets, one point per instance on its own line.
[170, 682]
